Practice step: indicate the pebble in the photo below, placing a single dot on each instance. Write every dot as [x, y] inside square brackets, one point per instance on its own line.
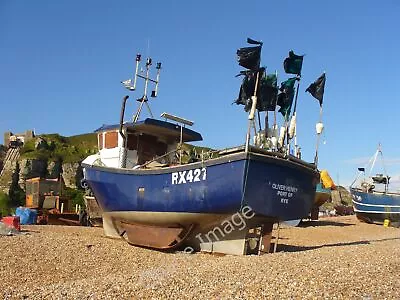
[332, 258]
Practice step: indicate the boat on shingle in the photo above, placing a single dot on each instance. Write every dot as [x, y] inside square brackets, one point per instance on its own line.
[372, 199]
[155, 193]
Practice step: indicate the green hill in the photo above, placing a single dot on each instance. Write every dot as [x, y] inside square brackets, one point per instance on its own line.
[55, 147]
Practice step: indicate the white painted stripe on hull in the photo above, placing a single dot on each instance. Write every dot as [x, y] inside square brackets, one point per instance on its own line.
[377, 205]
[392, 194]
[376, 212]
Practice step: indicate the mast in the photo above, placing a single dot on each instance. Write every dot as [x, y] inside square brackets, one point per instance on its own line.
[293, 65]
[252, 112]
[249, 58]
[384, 169]
[276, 101]
[374, 159]
[274, 128]
[144, 99]
[316, 89]
[379, 178]
[295, 118]
[319, 127]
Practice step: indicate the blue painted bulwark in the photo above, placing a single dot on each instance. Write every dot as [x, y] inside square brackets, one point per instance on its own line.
[274, 188]
[321, 189]
[376, 206]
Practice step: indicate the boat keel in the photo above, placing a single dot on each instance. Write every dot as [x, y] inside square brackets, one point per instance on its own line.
[150, 236]
[155, 237]
[253, 239]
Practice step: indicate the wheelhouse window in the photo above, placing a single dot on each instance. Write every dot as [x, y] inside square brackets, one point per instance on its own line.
[132, 142]
[100, 140]
[149, 148]
[111, 140]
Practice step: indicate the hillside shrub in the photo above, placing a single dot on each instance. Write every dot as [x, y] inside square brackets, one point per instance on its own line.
[76, 196]
[4, 204]
[66, 149]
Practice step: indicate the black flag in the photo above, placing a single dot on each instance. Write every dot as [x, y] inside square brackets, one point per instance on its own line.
[316, 89]
[246, 90]
[249, 57]
[293, 63]
[267, 90]
[253, 42]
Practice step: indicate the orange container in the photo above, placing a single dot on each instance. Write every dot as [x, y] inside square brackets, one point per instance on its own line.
[12, 222]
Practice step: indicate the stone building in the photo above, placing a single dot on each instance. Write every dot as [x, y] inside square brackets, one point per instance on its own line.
[21, 137]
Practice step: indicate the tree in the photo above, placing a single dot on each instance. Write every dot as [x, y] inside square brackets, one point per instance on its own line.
[16, 194]
[4, 204]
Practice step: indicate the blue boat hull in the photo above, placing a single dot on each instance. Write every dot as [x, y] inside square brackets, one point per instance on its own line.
[376, 206]
[274, 188]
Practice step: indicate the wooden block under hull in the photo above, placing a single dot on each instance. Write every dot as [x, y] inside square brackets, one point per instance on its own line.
[256, 241]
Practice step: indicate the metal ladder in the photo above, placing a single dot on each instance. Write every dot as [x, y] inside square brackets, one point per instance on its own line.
[12, 155]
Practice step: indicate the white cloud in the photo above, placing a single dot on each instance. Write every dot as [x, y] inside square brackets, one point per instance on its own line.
[362, 161]
[395, 183]
[392, 161]
[357, 161]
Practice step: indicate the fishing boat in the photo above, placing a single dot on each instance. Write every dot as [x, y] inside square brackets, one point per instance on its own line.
[373, 202]
[322, 194]
[154, 195]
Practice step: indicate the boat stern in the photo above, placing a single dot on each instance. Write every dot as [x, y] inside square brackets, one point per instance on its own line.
[280, 189]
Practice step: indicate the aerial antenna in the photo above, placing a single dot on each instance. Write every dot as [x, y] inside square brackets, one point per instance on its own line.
[128, 83]
[148, 47]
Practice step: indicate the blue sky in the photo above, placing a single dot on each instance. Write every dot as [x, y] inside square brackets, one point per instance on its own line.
[61, 64]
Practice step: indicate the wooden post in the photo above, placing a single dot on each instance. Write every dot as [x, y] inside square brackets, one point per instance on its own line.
[266, 236]
[277, 238]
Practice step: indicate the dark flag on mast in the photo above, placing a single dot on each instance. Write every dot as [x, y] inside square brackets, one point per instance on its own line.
[246, 89]
[249, 57]
[285, 97]
[317, 88]
[267, 90]
[293, 63]
[253, 42]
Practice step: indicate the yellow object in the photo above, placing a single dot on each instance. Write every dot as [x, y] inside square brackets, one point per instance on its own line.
[326, 180]
[29, 201]
[386, 223]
